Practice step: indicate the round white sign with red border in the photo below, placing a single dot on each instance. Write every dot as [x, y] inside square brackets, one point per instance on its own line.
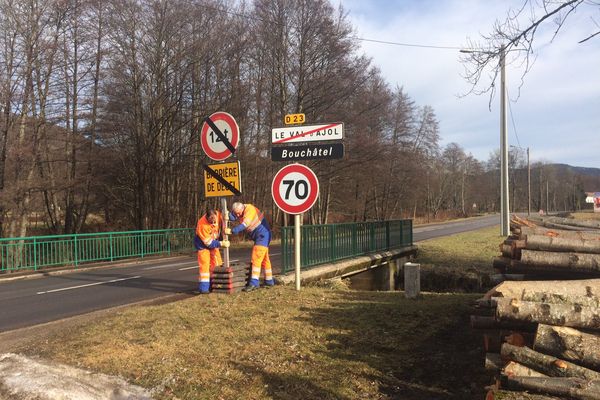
[212, 144]
[295, 188]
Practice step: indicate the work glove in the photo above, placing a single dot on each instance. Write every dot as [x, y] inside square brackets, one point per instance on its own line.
[224, 243]
[227, 231]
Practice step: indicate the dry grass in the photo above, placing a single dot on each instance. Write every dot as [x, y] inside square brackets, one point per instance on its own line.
[318, 343]
[463, 251]
[325, 342]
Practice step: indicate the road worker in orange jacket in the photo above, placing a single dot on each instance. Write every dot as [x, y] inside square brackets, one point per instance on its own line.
[206, 240]
[253, 222]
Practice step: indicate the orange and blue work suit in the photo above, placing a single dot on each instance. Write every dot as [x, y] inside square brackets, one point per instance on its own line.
[256, 226]
[207, 243]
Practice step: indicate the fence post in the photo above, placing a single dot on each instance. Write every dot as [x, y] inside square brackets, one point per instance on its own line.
[354, 239]
[76, 249]
[34, 254]
[112, 256]
[168, 235]
[372, 236]
[332, 243]
[387, 235]
[143, 245]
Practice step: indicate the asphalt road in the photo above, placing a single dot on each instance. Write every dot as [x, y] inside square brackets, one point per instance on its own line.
[28, 302]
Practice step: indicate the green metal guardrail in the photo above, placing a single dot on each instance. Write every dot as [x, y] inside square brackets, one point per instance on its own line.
[37, 252]
[328, 243]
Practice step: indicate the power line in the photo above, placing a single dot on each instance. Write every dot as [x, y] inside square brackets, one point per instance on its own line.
[513, 120]
[408, 44]
[252, 17]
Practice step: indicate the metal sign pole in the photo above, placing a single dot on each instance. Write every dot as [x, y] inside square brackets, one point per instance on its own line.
[225, 236]
[297, 248]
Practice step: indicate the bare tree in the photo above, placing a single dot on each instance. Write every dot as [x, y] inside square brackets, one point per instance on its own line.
[516, 35]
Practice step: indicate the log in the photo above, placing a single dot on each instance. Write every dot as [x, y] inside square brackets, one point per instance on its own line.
[549, 272]
[572, 315]
[568, 261]
[493, 394]
[553, 225]
[516, 369]
[492, 342]
[538, 230]
[584, 223]
[562, 244]
[545, 364]
[515, 289]
[507, 250]
[491, 323]
[574, 388]
[493, 362]
[569, 344]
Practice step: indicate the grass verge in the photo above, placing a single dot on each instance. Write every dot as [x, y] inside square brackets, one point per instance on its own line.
[318, 343]
[277, 343]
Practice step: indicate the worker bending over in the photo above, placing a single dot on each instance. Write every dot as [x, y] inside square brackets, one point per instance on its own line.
[206, 241]
[254, 223]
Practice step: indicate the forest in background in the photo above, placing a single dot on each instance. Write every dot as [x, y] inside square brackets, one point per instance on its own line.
[101, 104]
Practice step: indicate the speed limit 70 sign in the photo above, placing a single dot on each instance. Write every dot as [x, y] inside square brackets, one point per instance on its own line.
[295, 188]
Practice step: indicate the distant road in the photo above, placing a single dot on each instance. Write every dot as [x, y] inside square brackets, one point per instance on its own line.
[28, 302]
[450, 228]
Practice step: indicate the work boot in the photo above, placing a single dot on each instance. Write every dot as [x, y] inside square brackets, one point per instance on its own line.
[204, 287]
[249, 288]
[269, 283]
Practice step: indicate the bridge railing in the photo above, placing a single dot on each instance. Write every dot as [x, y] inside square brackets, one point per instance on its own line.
[37, 252]
[322, 244]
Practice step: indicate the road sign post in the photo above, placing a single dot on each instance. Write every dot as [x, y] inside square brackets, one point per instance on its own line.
[295, 189]
[219, 138]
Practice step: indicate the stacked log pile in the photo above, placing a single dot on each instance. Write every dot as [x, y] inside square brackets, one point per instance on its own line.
[543, 336]
[550, 252]
[230, 280]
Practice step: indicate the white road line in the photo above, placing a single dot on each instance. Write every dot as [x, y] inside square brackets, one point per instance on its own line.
[90, 284]
[195, 266]
[166, 266]
[274, 254]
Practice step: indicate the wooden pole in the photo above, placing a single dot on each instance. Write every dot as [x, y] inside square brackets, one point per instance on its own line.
[225, 218]
[297, 219]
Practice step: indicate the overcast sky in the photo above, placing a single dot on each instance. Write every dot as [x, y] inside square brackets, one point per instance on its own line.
[556, 114]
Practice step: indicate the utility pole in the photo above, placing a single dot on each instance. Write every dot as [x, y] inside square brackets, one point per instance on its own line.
[528, 185]
[547, 200]
[504, 206]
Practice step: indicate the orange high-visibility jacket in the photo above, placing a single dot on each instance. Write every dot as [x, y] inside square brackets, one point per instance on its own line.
[207, 234]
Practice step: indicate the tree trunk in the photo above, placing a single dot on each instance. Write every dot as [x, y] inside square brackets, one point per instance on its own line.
[483, 322]
[541, 290]
[493, 362]
[548, 365]
[516, 369]
[558, 244]
[573, 388]
[573, 315]
[573, 222]
[568, 261]
[538, 230]
[569, 344]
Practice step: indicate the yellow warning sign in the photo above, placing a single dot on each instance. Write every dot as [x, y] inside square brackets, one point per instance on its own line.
[222, 179]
